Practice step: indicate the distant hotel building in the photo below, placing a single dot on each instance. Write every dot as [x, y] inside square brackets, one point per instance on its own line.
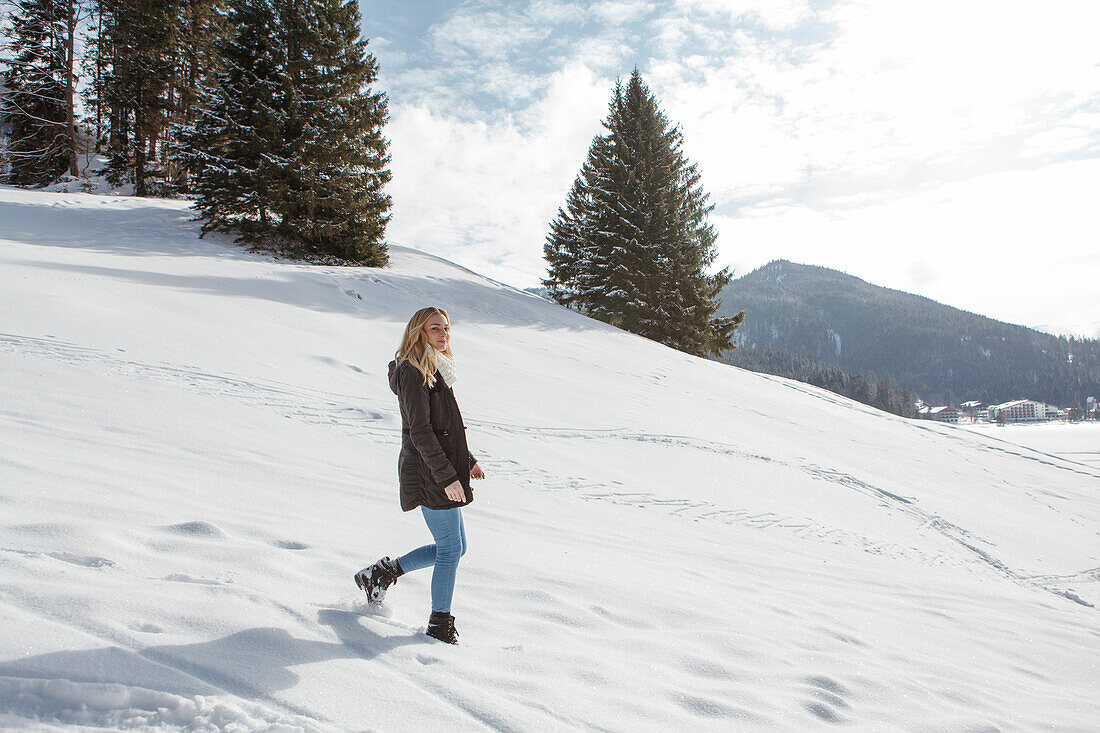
[1018, 411]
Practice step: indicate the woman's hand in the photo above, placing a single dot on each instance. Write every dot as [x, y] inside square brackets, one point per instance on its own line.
[476, 472]
[454, 492]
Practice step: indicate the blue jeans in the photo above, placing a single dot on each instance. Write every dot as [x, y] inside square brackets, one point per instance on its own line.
[450, 544]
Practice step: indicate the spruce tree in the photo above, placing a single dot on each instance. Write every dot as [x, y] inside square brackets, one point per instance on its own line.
[37, 104]
[202, 26]
[92, 66]
[235, 152]
[333, 202]
[632, 244]
[289, 148]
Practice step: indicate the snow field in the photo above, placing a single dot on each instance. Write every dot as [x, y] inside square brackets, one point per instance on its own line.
[1076, 442]
[199, 450]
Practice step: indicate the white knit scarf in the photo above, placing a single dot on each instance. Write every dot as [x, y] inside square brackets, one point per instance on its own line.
[446, 366]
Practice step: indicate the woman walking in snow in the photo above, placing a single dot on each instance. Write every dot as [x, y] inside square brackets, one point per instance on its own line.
[434, 468]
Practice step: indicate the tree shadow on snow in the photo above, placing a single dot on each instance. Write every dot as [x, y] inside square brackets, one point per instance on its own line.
[368, 293]
[249, 663]
[117, 226]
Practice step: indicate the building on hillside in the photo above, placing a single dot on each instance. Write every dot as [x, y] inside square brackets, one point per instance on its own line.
[1018, 411]
[944, 413]
[972, 409]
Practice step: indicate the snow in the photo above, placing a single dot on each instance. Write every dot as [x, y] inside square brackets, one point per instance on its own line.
[1077, 442]
[199, 450]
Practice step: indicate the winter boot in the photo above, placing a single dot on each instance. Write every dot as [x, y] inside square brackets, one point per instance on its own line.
[376, 579]
[442, 626]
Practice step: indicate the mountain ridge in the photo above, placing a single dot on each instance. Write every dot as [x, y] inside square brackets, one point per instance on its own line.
[940, 352]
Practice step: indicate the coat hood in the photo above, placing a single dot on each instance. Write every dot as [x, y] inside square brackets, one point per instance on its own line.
[393, 376]
[393, 370]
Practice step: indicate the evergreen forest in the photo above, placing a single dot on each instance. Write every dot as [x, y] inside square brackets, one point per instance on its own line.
[261, 110]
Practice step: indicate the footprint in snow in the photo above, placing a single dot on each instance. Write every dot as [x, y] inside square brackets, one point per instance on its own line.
[87, 561]
[205, 530]
[181, 578]
[830, 696]
[712, 707]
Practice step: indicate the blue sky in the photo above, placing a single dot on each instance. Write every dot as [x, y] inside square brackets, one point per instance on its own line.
[949, 149]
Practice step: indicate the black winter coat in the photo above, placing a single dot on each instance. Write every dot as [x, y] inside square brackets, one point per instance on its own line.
[433, 440]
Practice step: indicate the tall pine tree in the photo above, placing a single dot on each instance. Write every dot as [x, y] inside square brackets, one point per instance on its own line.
[235, 151]
[38, 102]
[335, 203]
[632, 244]
[139, 41]
[289, 148]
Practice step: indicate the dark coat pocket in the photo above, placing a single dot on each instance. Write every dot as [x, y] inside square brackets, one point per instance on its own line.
[434, 497]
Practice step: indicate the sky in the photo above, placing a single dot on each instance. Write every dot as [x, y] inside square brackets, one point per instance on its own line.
[942, 148]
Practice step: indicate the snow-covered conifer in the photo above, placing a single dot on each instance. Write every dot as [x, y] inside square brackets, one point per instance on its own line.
[235, 151]
[139, 40]
[37, 108]
[335, 201]
[289, 148]
[632, 244]
[146, 62]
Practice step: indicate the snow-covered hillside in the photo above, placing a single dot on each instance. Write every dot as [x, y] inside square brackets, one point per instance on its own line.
[198, 449]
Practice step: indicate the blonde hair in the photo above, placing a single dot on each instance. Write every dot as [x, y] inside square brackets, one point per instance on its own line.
[414, 344]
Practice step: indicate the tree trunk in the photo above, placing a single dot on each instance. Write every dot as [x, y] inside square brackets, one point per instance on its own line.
[70, 84]
[99, 79]
[139, 141]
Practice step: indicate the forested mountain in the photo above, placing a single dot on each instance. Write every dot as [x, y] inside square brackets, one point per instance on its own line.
[942, 354]
[883, 395]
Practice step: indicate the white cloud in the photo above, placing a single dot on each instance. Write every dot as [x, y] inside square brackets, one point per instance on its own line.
[485, 34]
[778, 14]
[604, 52]
[555, 12]
[621, 11]
[483, 192]
[903, 96]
